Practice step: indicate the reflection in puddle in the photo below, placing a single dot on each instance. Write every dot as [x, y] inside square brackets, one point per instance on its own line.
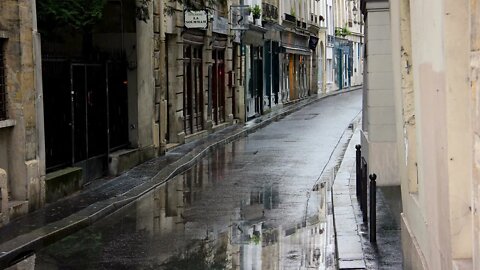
[203, 255]
[214, 216]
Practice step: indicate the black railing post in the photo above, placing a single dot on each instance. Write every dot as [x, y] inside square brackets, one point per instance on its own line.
[373, 208]
[364, 196]
[359, 169]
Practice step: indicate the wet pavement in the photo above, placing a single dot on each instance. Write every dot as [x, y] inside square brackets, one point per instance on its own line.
[251, 204]
[355, 251]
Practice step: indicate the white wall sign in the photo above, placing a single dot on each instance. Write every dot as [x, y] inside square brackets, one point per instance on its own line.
[239, 15]
[196, 19]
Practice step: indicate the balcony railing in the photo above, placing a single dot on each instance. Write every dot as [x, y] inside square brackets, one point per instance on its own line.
[269, 11]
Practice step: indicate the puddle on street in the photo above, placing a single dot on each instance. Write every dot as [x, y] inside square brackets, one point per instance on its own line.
[217, 215]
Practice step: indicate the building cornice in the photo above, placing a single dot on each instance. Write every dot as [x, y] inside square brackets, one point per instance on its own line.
[373, 5]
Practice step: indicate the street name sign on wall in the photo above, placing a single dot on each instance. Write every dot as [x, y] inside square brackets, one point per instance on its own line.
[196, 19]
[239, 16]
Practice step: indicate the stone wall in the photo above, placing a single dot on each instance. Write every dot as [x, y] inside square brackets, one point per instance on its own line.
[21, 139]
[160, 74]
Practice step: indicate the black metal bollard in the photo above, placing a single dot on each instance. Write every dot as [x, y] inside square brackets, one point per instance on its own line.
[359, 169]
[364, 195]
[373, 208]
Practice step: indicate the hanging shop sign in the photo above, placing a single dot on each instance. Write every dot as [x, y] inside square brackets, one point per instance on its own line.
[196, 19]
[239, 15]
[220, 25]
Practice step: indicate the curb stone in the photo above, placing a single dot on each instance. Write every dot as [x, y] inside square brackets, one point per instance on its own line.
[349, 247]
[331, 247]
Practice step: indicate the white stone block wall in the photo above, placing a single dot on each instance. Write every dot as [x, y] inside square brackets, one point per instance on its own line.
[380, 107]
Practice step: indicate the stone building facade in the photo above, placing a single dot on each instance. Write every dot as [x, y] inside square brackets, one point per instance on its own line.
[199, 90]
[348, 45]
[21, 160]
[98, 91]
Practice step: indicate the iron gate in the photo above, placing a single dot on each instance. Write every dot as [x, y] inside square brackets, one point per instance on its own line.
[86, 114]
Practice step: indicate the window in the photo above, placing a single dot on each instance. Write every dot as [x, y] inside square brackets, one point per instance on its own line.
[3, 88]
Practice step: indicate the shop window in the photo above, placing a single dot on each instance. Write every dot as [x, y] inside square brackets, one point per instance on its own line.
[3, 81]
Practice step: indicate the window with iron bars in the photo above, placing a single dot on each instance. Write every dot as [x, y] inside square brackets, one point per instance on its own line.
[3, 82]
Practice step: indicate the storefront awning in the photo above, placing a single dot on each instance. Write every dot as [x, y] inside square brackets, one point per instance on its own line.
[295, 50]
[254, 35]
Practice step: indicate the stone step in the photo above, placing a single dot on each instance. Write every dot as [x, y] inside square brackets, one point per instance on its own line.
[17, 208]
[62, 183]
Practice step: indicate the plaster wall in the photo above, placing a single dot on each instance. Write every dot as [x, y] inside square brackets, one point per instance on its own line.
[433, 114]
[413, 257]
[475, 75]
[422, 208]
[459, 128]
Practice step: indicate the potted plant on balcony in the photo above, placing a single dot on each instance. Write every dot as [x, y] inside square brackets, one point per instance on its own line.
[342, 31]
[256, 12]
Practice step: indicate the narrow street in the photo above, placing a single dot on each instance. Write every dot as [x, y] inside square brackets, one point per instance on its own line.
[252, 204]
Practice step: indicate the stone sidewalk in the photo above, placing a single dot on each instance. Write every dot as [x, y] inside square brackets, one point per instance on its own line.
[354, 250]
[23, 236]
